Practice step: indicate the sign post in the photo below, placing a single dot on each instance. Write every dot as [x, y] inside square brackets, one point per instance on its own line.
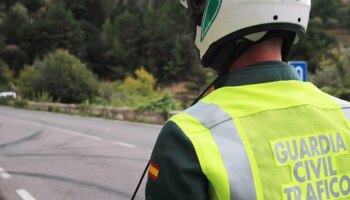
[301, 67]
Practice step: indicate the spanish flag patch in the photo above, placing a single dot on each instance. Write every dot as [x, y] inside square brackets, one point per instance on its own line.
[153, 171]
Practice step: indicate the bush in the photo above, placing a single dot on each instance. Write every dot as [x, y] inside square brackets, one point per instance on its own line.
[328, 76]
[342, 93]
[133, 91]
[138, 92]
[22, 103]
[5, 100]
[43, 97]
[84, 107]
[163, 104]
[105, 93]
[333, 77]
[5, 76]
[143, 84]
[60, 76]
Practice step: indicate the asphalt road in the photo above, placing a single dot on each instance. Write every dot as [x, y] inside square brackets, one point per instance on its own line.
[48, 156]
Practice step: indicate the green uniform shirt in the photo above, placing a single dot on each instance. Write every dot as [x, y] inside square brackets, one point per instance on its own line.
[178, 172]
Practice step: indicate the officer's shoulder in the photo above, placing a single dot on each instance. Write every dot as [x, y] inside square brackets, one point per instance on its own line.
[185, 116]
[343, 104]
[184, 120]
[196, 118]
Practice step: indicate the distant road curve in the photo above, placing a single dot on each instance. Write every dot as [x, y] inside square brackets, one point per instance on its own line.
[48, 156]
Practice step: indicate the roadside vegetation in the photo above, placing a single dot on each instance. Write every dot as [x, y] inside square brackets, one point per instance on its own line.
[61, 77]
[128, 53]
[327, 47]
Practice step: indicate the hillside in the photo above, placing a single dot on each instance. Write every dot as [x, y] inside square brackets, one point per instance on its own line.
[342, 34]
[115, 38]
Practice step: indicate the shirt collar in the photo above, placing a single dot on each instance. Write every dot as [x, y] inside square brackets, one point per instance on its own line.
[262, 72]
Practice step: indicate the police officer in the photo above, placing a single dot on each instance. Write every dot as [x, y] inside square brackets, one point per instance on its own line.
[262, 133]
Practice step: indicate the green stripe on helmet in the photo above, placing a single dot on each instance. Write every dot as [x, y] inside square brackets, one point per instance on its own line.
[211, 11]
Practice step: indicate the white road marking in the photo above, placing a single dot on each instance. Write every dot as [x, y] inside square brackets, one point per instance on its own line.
[85, 135]
[65, 130]
[25, 195]
[4, 174]
[124, 144]
[71, 132]
[75, 133]
[92, 137]
[62, 130]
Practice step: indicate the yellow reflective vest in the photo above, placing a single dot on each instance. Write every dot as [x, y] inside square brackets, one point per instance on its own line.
[278, 140]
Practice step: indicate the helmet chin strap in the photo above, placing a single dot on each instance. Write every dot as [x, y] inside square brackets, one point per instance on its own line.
[228, 54]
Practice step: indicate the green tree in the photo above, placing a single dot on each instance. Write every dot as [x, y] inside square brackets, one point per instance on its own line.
[11, 28]
[169, 36]
[92, 49]
[316, 45]
[326, 10]
[113, 37]
[5, 76]
[8, 4]
[334, 73]
[92, 11]
[121, 39]
[60, 75]
[149, 34]
[16, 18]
[2, 42]
[54, 29]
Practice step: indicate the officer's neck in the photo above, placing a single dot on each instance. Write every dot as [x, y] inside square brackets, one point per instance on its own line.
[269, 50]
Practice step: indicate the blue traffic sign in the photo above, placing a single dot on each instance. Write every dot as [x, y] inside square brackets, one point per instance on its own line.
[301, 67]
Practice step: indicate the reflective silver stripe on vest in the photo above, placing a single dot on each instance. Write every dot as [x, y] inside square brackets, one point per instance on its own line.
[233, 153]
[345, 106]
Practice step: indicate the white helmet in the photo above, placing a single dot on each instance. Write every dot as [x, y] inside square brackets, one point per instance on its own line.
[226, 28]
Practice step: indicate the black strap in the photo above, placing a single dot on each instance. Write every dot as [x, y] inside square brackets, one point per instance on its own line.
[205, 91]
[140, 181]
